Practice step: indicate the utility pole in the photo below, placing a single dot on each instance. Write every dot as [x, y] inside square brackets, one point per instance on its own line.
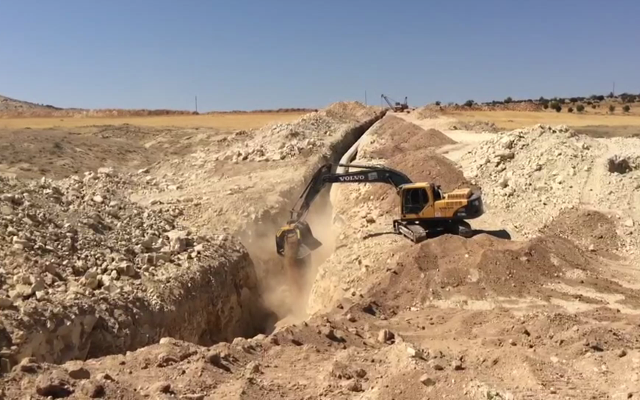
[196, 103]
[365, 97]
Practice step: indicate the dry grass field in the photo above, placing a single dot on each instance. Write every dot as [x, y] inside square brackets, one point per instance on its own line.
[519, 119]
[223, 121]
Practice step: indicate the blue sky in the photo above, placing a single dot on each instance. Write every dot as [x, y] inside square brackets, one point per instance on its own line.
[241, 54]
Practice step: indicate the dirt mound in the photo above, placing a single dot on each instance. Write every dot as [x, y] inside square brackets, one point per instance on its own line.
[392, 136]
[9, 105]
[529, 176]
[428, 112]
[593, 230]
[85, 273]
[421, 166]
[450, 268]
[476, 126]
[350, 110]
[310, 134]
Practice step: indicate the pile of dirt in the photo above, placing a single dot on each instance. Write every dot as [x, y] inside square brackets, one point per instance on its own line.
[451, 269]
[476, 126]
[593, 230]
[428, 112]
[392, 136]
[85, 272]
[531, 175]
[312, 134]
[9, 105]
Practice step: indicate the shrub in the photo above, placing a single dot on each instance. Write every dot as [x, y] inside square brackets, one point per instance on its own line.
[558, 108]
[612, 108]
[579, 108]
[626, 108]
[468, 103]
[545, 106]
[573, 99]
[570, 109]
[438, 103]
[508, 100]
[594, 106]
[554, 104]
[600, 98]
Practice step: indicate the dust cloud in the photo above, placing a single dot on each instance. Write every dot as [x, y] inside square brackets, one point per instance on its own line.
[285, 285]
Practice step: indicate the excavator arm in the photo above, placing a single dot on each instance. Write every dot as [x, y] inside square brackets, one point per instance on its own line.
[298, 226]
[366, 174]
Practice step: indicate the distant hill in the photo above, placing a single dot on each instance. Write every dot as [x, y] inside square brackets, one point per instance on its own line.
[9, 104]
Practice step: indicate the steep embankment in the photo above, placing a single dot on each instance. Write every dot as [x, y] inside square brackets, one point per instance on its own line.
[87, 272]
[450, 318]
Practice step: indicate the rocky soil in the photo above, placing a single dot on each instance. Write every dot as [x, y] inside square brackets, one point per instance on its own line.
[551, 314]
[530, 176]
[86, 272]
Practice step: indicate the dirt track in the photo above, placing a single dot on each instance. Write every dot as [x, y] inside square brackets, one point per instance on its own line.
[554, 314]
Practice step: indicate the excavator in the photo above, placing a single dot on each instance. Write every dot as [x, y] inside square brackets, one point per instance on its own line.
[396, 105]
[423, 206]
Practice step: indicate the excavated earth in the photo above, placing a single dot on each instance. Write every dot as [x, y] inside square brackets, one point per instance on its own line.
[542, 302]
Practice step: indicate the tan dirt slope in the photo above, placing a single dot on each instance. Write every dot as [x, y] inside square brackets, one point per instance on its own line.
[86, 272]
[479, 318]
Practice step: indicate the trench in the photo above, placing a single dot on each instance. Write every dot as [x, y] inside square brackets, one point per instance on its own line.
[225, 302]
[269, 266]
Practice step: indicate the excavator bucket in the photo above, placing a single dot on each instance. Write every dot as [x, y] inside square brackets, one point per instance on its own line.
[306, 237]
[297, 234]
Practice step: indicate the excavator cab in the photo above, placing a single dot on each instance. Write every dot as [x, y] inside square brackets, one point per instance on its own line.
[416, 198]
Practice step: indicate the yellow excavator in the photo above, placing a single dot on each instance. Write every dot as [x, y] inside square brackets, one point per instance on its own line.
[423, 206]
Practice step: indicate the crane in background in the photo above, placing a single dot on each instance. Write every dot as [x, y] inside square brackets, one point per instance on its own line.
[396, 106]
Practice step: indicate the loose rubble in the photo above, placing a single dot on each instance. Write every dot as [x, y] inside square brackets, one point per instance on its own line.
[311, 134]
[76, 250]
[529, 176]
[483, 317]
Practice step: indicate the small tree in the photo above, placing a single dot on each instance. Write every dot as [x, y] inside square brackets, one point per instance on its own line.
[570, 109]
[468, 103]
[508, 100]
[612, 108]
[626, 108]
[554, 104]
[438, 103]
[579, 108]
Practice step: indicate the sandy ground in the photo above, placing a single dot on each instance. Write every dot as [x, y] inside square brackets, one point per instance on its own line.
[519, 119]
[221, 121]
[553, 316]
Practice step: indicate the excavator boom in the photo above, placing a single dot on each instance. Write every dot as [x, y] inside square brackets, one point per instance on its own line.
[367, 174]
[423, 206]
[297, 226]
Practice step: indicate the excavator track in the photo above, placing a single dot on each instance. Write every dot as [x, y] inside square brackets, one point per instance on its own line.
[415, 233]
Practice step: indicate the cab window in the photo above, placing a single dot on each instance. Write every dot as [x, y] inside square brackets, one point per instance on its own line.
[414, 200]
